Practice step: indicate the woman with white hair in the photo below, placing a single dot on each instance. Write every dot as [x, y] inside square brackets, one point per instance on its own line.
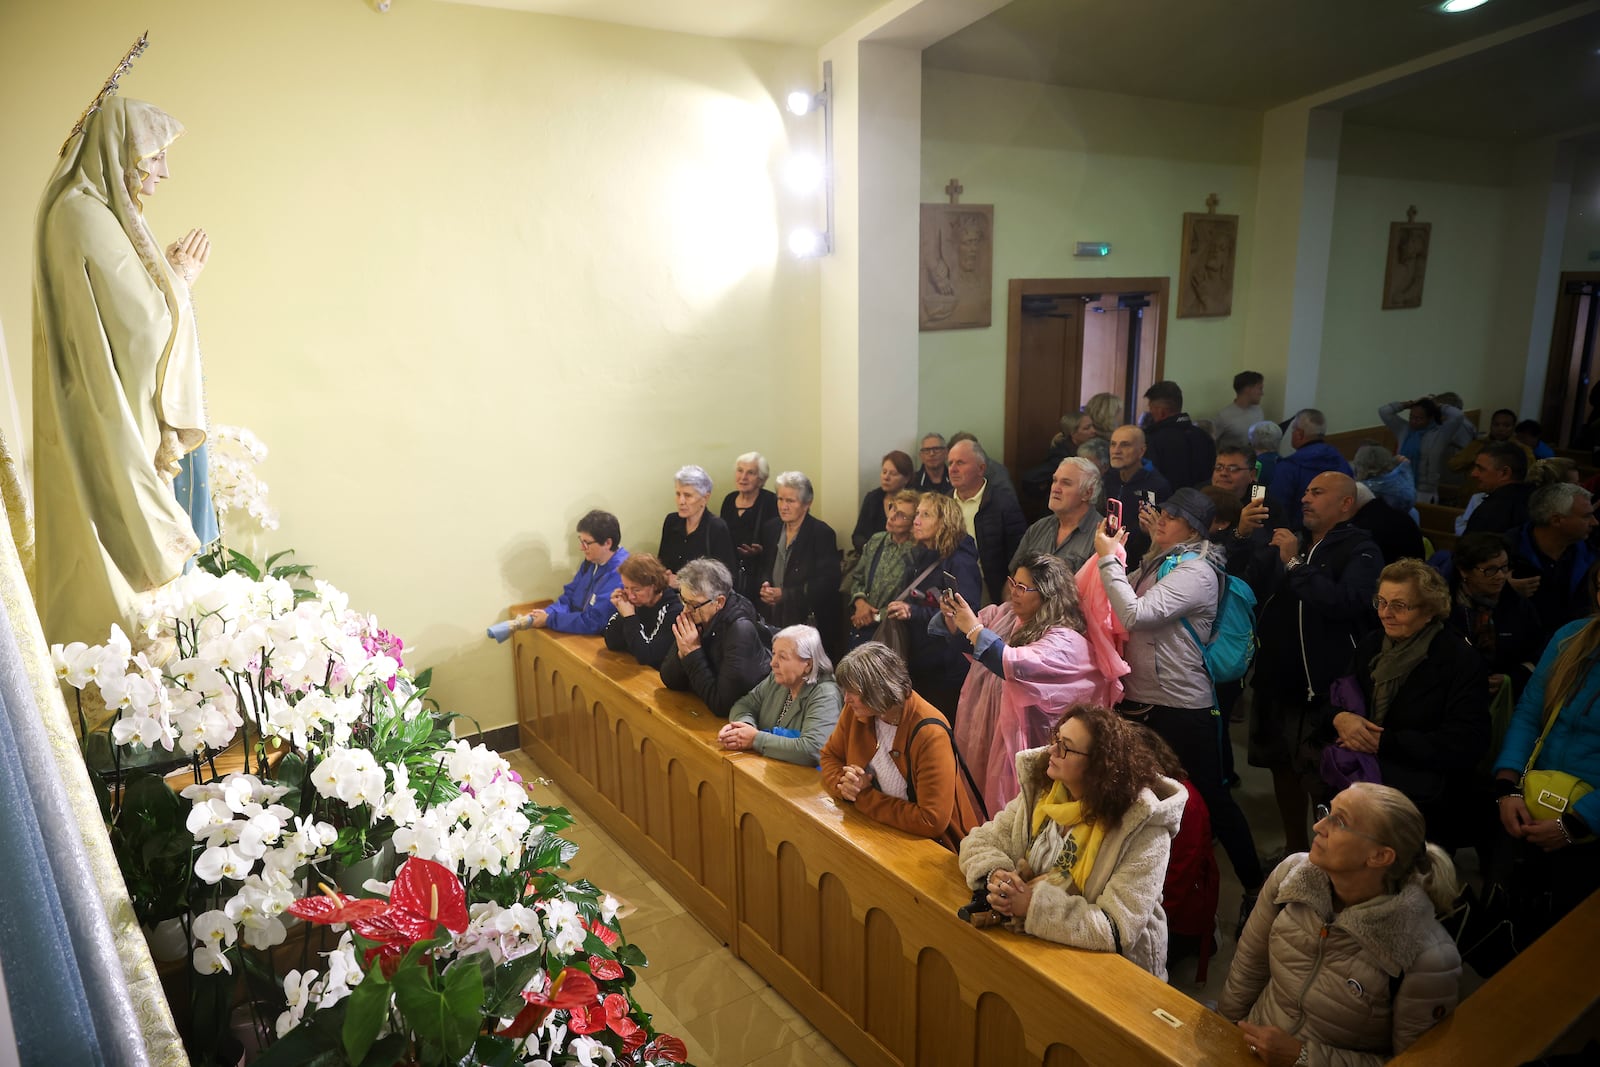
[1343, 960]
[746, 510]
[689, 533]
[791, 715]
[800, 565]
[1265, 439]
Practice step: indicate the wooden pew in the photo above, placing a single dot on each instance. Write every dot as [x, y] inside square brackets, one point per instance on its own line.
[854, 923]
[1527, 1008]
[643, 760]
[1439, 524]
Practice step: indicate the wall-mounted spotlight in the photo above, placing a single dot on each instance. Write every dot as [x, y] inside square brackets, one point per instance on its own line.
[805, 174]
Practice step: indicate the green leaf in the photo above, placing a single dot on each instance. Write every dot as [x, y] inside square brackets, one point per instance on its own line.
[447, 1016]
[314, 1041]
[387, 1052]
[424, 679]
[505, 995]
[490, 1051]
[276, 556]
[369, 1007]
[631, 955]
[238, 561]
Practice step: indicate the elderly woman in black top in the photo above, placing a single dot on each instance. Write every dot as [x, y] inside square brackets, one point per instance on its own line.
[893, 476]
[746, 510]
[645, 608]
[800, 553]
[689, 532]
[718, 652]
[1427, 713]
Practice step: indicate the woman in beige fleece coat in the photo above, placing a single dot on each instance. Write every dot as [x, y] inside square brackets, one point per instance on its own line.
[1080, 855]
[1343, 962]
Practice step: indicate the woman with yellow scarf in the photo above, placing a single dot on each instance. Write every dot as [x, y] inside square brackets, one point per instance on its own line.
[1080, 855]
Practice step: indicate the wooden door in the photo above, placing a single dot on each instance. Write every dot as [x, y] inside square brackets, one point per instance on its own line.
[1050, 374]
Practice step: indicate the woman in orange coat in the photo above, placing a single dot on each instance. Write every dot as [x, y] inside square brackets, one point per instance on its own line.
[892, 754]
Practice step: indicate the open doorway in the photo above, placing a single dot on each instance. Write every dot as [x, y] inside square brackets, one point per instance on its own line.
[1066, 340]
[1572, 373]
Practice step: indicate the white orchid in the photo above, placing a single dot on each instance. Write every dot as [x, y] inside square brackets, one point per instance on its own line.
[215, 929]
[299, 989]
[219, 862]
[210, 960]
[591, 1053]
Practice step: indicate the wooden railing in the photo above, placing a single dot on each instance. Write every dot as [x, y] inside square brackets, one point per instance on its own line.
[1548, 993]
[853, 922]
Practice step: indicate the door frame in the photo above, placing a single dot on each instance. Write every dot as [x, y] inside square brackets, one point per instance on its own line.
[1021, 287]
[1560, 359]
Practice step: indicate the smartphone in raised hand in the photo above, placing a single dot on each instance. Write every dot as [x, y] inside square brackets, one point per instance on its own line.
[1113, 515]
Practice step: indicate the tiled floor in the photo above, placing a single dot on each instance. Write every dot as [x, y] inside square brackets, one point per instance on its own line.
[726, 1014]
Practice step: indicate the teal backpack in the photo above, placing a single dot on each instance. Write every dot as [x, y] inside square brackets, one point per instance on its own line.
[1233, 635]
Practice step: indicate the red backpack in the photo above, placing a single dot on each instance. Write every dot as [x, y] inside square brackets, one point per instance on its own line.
[1189, 896]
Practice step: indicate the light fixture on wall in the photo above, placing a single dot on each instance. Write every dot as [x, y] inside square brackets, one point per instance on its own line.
[1092, 249]
[805, 174]
[1456, 7]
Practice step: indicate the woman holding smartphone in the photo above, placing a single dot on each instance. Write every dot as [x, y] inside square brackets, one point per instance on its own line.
[945, 560]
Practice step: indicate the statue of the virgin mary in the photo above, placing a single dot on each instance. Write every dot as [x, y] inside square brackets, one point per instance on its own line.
[118, 403]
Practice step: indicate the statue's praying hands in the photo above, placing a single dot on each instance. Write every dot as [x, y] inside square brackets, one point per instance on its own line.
[188, 255]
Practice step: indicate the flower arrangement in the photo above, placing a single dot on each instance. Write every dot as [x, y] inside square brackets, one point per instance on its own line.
[477, 951]
[236, 489]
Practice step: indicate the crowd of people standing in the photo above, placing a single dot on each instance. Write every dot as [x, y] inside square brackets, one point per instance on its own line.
[1041, 696]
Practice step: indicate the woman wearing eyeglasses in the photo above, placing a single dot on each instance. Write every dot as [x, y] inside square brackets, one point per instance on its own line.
[1029, 658]
[1427, 701]
[1503, 626]
[644, 609]
[1079, 856]
[944, 551]
[1343, 961]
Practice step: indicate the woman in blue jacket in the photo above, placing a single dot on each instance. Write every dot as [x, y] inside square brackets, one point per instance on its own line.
[1550, 865]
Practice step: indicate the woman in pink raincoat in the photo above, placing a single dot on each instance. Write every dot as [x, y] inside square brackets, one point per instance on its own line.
[1029, 660]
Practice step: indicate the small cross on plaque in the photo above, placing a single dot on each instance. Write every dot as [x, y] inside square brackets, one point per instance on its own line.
[1411, 213]
[1211, 204]
[954, 190]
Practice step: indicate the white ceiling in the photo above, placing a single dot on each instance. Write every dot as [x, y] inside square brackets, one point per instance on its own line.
[1252, 54]
[1242, 53]
[797, 22]
[1544, 84]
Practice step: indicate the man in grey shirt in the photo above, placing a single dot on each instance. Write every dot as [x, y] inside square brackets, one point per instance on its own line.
[1068, 531]
[1234, 421]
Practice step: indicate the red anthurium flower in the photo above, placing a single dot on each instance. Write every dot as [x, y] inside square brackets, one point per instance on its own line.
[571, 991]
[666, 1047]
[395, 925]
[607, 935]
[610, 1014]
[389, 957]
[429, 891]
[604, 969]
[330, 907]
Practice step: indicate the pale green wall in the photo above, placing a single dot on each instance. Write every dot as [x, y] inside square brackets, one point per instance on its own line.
[1470, 334]
[1583, 213]
[1062, 166]
[474, 272]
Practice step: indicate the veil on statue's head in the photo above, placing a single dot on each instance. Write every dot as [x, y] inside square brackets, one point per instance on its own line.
[109, 160]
